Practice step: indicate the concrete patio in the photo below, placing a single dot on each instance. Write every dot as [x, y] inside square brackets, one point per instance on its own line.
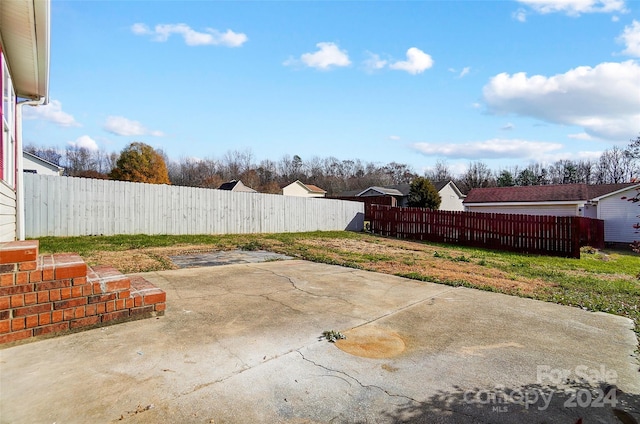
[242, 343]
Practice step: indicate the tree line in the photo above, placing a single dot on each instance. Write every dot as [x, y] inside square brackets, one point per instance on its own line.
[140, 162]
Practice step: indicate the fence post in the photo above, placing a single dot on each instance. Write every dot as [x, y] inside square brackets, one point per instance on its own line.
[575, 237]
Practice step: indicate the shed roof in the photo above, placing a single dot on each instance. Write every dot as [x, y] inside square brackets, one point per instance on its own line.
[314, 189]
[383, 191]
[228, 185]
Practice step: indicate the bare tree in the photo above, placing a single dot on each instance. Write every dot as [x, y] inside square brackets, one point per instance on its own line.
[236, 162]
[477, 175]
[290, 168]
[614, 167]
[439, 172]
[49, 154]
[585, 171]
[399, 172]
[79, 160]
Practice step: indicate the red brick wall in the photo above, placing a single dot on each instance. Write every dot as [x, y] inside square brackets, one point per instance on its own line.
[47, 294]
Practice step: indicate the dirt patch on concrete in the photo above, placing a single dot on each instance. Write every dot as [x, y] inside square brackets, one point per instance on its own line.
[372, 342]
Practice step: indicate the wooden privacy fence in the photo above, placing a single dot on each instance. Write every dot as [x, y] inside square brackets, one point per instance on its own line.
[67, 206]
[591, 232]
[369, 200]
[545, 235]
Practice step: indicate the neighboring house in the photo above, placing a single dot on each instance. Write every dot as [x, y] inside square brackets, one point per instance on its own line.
[603, 201]
[449, 193]
[36, 165]
[237, 186]
[24, 75]
[297, 188]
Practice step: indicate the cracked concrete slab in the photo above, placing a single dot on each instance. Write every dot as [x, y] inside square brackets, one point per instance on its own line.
[242, 343]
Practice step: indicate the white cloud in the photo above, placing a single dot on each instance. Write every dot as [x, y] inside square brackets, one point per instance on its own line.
[210, 36]
[603, 100]
[328, 56]
[374, 63]
[84, 142]
[464, 71]
[140, 29]
[489, 149]
[394, 137]
[119, 125]
[580, 136]
[508, 127]
[520, 15]
[631, 39]
[416, 63]
[51, 112]
[575, 7]
[615, 18]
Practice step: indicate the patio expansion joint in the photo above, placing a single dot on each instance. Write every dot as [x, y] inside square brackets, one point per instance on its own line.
[364, 386]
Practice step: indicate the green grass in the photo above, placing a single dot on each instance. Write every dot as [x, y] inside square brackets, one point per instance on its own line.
[607, 281]
[602, 281]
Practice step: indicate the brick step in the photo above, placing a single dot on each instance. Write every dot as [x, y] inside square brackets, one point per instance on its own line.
[57, 293]
[108, 279]
[147, 297]
[18, 256]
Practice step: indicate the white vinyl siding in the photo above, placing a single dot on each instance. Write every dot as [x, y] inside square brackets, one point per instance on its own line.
[7, 213]
[450, 199]
[35, 166]
[619, 216]
[8, 126]
[554, 210]
[67, 206]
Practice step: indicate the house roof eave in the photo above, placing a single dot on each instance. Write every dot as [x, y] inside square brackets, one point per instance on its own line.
[455, 188]
[613, 193]
[549, 203]
[25, 37]
[45, 162]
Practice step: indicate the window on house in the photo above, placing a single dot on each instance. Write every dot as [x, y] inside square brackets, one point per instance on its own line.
[8, 126]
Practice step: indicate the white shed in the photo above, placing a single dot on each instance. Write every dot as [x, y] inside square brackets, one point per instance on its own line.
[619, 214]
[36, 165]
[298, 188]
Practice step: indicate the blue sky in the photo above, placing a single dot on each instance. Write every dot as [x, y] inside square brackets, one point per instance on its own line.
[416, 82]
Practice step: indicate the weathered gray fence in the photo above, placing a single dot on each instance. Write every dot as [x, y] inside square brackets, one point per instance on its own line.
[66, 206]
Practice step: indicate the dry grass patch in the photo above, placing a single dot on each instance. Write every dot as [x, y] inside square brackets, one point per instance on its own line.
[410, 258]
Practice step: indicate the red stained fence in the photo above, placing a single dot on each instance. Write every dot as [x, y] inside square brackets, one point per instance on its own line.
[370, 200]
[543, 235]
